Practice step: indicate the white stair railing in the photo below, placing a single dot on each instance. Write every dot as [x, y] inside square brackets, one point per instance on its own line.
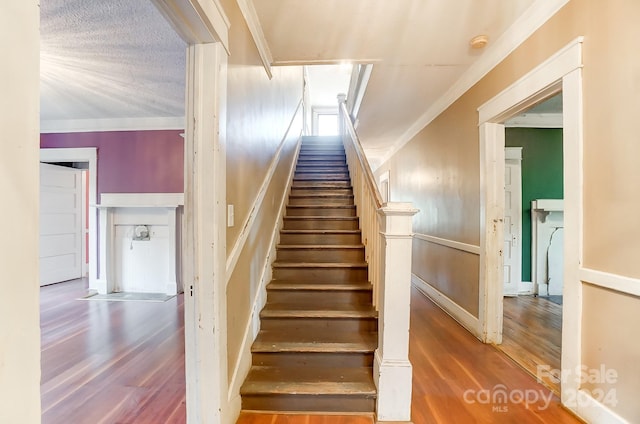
[387, 235]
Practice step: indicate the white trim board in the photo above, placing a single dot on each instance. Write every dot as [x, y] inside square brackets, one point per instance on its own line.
[247, 225]
[197, 21]
[535, 120]
[470, 248]
[250, 15]
[593, 411]
[619, 283]
[111, 124]
[451, 308]
[532, 19]
[141, 200]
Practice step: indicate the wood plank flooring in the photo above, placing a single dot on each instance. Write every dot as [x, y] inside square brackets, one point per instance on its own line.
[532, 334]
[110, 362]
[123, 362]
[453, 373]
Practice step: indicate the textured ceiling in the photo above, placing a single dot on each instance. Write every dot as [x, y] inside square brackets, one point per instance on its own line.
[109, 59]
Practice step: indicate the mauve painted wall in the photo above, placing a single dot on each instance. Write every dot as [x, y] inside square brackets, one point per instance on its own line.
[131, 161]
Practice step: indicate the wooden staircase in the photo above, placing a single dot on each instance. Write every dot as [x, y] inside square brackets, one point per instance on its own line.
[314, 351]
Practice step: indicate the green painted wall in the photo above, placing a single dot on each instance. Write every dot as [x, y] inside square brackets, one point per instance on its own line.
[541, 176]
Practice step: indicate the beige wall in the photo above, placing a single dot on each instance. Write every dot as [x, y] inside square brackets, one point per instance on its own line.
[259, 113]
[19, 188]
[438, 171]
[610, 338]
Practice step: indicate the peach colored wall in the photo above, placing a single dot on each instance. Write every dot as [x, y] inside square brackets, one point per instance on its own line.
[258, 115]
[438, 171]
[19, 188]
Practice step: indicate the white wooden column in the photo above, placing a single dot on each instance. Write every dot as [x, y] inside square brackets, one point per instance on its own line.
[392, 369]
[204, 242]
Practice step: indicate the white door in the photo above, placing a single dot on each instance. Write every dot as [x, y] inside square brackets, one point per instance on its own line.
[512, 220]
[60, 224]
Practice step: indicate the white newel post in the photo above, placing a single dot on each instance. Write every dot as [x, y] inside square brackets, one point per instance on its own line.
[392, 369]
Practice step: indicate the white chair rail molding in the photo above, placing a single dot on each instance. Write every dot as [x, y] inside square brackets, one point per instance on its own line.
[139, 236]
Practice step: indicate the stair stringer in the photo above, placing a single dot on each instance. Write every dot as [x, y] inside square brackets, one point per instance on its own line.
[243, 362]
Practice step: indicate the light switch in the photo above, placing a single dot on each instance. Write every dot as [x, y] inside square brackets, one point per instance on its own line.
[230, 216]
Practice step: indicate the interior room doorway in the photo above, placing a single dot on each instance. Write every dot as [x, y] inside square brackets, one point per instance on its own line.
[532, 303]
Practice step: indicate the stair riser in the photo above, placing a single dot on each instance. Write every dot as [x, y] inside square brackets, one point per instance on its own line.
[336, 150]
[323, 155]
[310, 176]
[311, 211]
[298, 359]
[319, 324]
[329, 191]
[321, 255]
[322, 169]
[321, 184]
[330, 275]
[319, 298]
[320, 238]
[319, 201]
[319, 224]
[315, 403]
[321, 163]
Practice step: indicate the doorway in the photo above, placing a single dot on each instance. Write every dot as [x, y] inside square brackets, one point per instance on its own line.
[560, 73]
[532, 302]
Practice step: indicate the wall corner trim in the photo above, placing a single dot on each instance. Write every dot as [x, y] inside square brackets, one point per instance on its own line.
[532, 19]
[250, 15]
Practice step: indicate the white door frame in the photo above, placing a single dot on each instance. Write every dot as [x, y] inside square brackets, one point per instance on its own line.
[205, 27]
[561, 72]
[85, 155]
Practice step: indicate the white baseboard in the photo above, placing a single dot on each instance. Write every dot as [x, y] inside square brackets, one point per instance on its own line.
[526, 287]
[452, 309]
[592, 411]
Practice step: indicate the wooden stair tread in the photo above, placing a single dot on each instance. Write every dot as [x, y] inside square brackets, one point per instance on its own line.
[280, 312]
[309, 381]
[319, 231]
[323, 206]
[320, 246]
[306, 342]
[288, 285]
[322, 195]
[319, 264]
[299, 336]
[326, 217]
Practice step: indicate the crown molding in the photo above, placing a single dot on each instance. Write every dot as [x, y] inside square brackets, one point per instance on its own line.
[250, 15]
[109, 124]
[532, 19]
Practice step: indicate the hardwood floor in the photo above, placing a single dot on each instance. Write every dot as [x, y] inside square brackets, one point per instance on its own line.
[123, 362]
[455, 376]
[110, 362]
[532, 334]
